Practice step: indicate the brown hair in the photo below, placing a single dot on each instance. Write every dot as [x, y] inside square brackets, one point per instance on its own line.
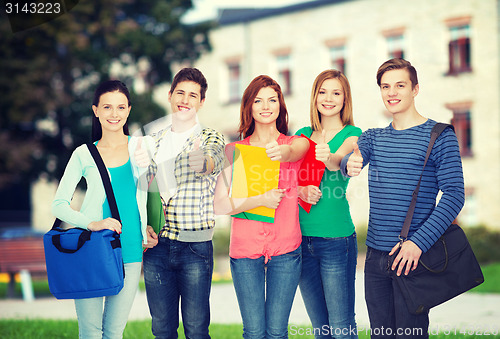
[247, 123]
[190, 74]
[103, 88]
[346, 113]
[398, 63]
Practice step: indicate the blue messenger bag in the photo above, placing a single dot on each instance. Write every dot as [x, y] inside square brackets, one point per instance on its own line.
[81, 263]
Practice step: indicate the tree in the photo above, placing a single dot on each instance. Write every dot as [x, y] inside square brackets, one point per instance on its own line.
[49, 72]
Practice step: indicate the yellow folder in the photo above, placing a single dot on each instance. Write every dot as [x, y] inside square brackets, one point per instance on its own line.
[254, 173]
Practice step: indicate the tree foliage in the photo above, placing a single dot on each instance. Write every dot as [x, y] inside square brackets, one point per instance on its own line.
[48, 74]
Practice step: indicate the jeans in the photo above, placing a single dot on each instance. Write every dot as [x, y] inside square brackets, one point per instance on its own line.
[389, 316]
[173, 271]
[327, 285]
[265, 293]
[106, 317]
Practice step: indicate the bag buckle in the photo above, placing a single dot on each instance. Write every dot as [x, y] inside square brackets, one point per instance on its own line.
[401, 240]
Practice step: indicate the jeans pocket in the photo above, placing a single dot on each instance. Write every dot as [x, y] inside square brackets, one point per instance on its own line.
[368, 254]
[202, 249]
[295, 253]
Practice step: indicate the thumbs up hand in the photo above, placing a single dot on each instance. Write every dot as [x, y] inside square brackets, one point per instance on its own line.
[197, 159]
[273, 151]
[322, 149]
[355, 162]
[141, 155]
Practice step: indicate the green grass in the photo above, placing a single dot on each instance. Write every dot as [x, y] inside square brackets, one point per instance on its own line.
[61, 329]
[40, 288]
[491, 283]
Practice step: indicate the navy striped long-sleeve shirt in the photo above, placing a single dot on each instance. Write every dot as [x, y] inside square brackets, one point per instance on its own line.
[395, 159]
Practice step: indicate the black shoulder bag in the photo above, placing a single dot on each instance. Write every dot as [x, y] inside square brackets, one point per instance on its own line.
[447, 269]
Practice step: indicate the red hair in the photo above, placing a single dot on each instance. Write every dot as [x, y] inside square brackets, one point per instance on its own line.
[247, 124]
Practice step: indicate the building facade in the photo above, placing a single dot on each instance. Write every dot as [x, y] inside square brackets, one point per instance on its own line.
[454, 45]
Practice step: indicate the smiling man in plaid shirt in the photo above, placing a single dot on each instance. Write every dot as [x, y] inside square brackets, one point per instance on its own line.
[186, 161]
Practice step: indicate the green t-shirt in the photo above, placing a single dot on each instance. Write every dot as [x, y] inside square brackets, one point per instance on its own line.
[330, 217]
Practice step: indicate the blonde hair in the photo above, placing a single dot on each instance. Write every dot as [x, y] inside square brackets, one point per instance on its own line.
[346, 113]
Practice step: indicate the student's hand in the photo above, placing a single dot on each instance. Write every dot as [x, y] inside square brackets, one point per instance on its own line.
[152, 238]
[272, 198]
[274, 151]
[355, 162]
[197, 159]
[108, 223]
[322, 149]
[141, 155]
[310, 194]
[408, 256]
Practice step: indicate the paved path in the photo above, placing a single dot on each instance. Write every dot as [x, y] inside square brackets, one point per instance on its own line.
[470, 312]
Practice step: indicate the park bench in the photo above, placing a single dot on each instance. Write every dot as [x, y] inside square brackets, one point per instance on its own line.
[25, 256]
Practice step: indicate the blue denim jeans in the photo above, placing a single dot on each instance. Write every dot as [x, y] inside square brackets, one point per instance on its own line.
[265, 293]
[174, 271]
[389, 315]
[327, 285]
[106, 317]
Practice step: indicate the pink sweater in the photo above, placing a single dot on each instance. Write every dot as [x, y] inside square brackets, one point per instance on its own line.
[253, 239]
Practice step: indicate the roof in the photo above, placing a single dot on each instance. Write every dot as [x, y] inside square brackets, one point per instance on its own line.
[230, 16]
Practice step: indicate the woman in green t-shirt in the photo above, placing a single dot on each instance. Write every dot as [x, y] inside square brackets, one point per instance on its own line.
[329, 248]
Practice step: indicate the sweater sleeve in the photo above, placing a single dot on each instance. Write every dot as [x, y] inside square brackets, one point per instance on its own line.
[450, 180]
[61, 205]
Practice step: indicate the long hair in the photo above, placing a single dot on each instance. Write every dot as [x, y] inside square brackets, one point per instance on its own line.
[247, 123]
[346, 112]
[103, 88]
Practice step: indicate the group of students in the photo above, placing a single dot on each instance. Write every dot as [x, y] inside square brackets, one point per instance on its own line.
[315, 251]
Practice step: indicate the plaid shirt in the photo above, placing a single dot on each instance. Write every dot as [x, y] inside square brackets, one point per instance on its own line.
[189, 214]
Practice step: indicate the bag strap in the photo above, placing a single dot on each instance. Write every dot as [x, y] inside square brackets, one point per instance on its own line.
[435, 133]
[105, 180]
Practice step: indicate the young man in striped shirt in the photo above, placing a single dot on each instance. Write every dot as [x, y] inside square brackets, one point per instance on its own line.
[396, 155]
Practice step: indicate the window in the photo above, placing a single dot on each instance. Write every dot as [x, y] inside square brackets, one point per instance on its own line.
[395, 46]
[234, 70]
[337, 53]
[337, 57]
[461, 121]
[459, 48]
[394, 39]
[284, 73]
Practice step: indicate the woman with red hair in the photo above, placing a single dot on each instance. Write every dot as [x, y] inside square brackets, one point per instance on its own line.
[265, 257]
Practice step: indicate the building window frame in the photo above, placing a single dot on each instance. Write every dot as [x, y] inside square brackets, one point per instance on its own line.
[337, 58]
[337, 53]
[459, 46]
[234, 80]
[285, 79]
[395, 41]
[283, 62]
[395, 45]
[462, 122]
